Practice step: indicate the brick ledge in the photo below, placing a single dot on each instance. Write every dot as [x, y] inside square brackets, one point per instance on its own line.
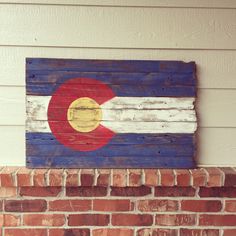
[209, 177]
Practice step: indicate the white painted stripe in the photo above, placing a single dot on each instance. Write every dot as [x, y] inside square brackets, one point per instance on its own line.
[128, 114]
[149, 103]
[128, 127]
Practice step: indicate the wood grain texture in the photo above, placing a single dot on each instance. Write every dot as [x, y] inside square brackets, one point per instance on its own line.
[214, 107]
[134, 3]
[73, 110]
[216, 69]
[91, 27]
[208, 155]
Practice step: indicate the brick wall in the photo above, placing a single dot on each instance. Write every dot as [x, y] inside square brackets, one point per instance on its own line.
[200, 202]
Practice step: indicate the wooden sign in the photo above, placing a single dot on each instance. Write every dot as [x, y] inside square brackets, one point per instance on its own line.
[110, 113]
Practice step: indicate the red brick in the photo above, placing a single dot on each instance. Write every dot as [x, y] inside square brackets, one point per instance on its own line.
[39, 177]
[157, 232]
[69, 232]
[229, 232]
[215, 177]
[88, 219]
[24, 177]
[70, 205]
[130, 191]
[112, 205]
[230, 205]
[157, 205]
[132, 220]
[8, 192]
[167, 177]
[199, 177]
[151, 177]
[56, 177]
[174, 191]
[119, 178]
[87, 177]
[229, 192]
[135, 177]
[25, 205]
[7, 176]
[25, 232]
[217, 220]
[199, 232]
[94, 191]
[44, 219]
[1, 220]
[103, 178]
[230, 176]
[183, 177]
[201, 205]
[176, 220]
[40, 191]
[112, 232]
[72, 178]
[11, 220]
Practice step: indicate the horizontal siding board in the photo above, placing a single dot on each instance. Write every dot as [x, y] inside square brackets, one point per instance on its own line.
[12, 146]
[215, 69]
[136, 3]
[214, 107]
[115, 27]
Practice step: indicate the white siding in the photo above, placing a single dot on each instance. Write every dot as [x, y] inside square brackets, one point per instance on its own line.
[201, 31]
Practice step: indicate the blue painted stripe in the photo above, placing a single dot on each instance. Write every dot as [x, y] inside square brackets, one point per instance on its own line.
[123, 151]
[109, 65]
[110, 162]
[123, 84]
[123, 90]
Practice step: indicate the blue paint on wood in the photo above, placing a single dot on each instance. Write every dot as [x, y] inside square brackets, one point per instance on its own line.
[157, 139]
[109, 65]
[123, 90]
[110, 162]
[133, 78]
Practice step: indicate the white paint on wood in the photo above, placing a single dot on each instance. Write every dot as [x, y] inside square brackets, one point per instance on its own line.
[126, 127]
[149, 109]
[137, 3]
[117, 27]
[215, 69]
[215, 107]
[149, 103]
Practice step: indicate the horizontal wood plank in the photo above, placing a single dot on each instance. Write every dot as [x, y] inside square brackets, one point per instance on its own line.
[116, 27]
[122, 162]
[135, 3]
[214, 107]
[215, 69]
[120, 127]
[210, 138]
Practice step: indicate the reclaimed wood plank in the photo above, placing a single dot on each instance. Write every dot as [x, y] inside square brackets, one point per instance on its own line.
[121, 162]
[120, 127]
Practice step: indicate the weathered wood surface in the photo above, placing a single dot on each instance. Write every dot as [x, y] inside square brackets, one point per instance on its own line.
[145, 117]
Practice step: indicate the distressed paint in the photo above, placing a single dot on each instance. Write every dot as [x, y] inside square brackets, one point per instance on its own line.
[144, 114]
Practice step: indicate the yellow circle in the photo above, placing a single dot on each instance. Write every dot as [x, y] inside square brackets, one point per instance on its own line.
[84, 114]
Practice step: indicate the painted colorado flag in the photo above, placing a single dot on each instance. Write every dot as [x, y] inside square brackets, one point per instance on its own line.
[110, 113]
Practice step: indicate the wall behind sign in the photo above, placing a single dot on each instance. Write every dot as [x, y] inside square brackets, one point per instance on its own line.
[200, 31]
